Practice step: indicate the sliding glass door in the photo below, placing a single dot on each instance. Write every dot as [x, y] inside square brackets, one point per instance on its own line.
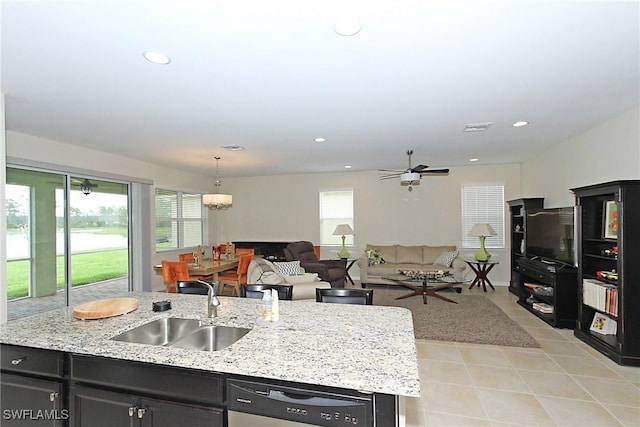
[67, 242]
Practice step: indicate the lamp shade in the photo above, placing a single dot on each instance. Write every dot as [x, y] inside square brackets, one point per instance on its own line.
[482, 229]
[217, 201]
[343, 230]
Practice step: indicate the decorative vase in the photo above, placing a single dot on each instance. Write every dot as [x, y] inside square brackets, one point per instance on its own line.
[344, 253]
[482, 254]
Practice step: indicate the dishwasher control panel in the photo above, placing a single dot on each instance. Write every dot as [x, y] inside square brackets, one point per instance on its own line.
[299, 404]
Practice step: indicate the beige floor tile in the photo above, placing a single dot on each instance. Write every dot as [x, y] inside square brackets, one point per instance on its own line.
[629, 373]
[435, 351]
[628, 416]
[444, 372]
[544, 333]
[451, 399]
[436, 419]
[585, 366]
[497, 378]
[568, 348]
[554, 384]
[529, 321]
[616, 392]
[482, 355]
[516, 408]
[532, 361]
[414, 413]
[567, 412]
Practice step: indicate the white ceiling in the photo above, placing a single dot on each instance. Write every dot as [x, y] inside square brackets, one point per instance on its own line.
[272, 75]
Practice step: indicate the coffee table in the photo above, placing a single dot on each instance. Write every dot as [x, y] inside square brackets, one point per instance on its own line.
[425, 286]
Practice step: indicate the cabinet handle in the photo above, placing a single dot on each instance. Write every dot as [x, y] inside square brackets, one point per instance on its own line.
[132, 410]
[18, 361]
[53, 396]
[141, 412]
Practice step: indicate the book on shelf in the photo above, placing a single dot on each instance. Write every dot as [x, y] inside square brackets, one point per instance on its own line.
[603, 324]
[543, 307]
[601, 296]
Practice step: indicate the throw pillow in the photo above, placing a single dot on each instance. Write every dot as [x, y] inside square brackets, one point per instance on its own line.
[289, 268]
[270, 278]
[303, 278]
[445, 258]
[374, 256]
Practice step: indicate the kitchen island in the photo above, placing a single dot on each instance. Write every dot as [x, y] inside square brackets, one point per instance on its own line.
[368, 349]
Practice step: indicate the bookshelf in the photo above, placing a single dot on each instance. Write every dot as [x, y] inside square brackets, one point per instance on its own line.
[518, 209]
[608, 269]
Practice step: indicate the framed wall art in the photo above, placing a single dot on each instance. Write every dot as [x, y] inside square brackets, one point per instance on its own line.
[610, 220]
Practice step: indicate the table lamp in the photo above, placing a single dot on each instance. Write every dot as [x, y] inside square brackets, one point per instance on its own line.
[482, 231]
[343, 230]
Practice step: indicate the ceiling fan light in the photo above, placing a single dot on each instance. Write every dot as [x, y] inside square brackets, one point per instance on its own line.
[410, 178]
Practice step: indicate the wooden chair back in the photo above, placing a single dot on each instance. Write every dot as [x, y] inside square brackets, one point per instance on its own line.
[172, 271]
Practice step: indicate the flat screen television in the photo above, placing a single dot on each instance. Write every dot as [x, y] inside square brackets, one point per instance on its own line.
[550, 235]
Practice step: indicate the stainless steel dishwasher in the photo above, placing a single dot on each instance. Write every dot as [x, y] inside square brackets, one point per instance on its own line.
[256, 403]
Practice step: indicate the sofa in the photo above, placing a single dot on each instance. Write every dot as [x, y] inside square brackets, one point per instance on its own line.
[274, 273]
[380, 260]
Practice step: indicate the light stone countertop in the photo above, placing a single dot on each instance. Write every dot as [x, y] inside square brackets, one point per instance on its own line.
[366, 348]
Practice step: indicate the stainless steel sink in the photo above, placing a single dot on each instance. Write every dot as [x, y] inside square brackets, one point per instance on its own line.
[183, 333]
[211, 338]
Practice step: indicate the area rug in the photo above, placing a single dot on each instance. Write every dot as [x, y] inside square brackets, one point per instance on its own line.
[475, 319]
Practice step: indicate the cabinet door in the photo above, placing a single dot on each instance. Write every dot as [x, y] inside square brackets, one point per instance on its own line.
[31, 401]
[159, 413]
[92, 407]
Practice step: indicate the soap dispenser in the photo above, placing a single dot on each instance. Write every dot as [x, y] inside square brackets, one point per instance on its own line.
[266, 305]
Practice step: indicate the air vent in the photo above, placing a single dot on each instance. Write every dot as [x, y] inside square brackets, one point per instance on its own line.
[232, 147]
[477, 127]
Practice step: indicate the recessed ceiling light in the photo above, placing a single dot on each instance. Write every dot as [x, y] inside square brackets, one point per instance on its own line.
[520, 124]
[477, 127]
[320, 139]
[232, 147]
[347, 26]
[474, 159]
[347, 167]
[157, 58]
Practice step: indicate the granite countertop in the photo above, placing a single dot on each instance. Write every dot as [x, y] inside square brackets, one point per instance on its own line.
[366, 348]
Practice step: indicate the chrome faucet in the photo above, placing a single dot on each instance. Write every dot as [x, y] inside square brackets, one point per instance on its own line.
[212, 299]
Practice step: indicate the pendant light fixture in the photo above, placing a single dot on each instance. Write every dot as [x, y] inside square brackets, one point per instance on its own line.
[218, 200]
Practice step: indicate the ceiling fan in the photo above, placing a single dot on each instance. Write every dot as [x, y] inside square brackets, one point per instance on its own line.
[86, 186]
[410, 176]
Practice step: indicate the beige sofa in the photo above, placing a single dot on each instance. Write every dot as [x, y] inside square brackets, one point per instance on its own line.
[304, 284]
[398, 258]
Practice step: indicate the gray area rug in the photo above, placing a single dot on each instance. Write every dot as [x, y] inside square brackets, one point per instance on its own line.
[475, 319]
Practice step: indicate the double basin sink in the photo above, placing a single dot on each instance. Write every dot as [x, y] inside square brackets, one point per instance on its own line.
[190, 334]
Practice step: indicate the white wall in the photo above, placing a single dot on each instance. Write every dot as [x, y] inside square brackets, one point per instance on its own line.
[608, 152]
[286, 208]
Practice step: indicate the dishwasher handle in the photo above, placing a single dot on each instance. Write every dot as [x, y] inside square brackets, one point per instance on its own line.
[287, 397]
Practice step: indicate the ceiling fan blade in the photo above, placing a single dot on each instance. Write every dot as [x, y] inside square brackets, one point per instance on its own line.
[436, 171]
[389, 176]
[419, 168]
[391, 170]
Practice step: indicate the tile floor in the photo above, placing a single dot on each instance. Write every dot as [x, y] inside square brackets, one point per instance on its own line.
[564, 383]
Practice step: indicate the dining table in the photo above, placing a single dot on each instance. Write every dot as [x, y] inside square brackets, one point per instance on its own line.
[209, 267]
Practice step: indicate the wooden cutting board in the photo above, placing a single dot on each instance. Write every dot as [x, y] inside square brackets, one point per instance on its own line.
[103, 308]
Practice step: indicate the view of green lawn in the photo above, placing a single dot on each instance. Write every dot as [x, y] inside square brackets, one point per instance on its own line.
[85, 268]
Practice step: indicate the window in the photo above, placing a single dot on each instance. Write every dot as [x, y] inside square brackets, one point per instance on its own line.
[483, 204]
[179, 219]
[336, 207]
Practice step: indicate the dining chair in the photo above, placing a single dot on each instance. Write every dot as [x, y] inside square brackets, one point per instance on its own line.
[254, 290]
[243, 251]
[187, 257]
[345, 296]
[235, 278]
[194, 287]
[172, 271]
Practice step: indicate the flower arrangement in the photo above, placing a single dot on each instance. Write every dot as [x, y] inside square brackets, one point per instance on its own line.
[374, 256]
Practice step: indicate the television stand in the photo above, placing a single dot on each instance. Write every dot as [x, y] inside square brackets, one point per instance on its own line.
[557, 303]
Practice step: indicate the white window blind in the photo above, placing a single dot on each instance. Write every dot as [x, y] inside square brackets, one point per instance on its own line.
[336, 207]
[179, 219]
[483, 204]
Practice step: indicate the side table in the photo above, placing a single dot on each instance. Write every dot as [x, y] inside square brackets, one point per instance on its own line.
[481, 269]
[350, 262]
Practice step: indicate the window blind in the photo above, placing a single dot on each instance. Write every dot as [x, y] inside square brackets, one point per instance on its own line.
[483, 204]
[336, 207]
